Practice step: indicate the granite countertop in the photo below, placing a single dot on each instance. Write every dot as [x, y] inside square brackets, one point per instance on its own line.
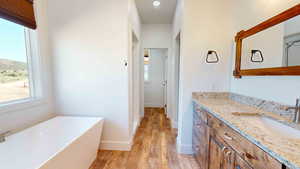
[279, 144]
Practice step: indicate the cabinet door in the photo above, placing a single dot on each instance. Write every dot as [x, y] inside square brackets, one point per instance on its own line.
[241, 164]
[220, 156]
[200, 143]
[215, 154]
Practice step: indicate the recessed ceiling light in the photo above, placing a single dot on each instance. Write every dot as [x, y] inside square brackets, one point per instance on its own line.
[156, 3]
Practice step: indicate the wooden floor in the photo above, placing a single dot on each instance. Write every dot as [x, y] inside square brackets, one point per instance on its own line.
[154, 148]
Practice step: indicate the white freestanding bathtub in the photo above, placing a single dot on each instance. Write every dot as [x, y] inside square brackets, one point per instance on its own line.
[59, 143]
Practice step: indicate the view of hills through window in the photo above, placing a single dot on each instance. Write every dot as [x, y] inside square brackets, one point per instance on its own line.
[14, 81]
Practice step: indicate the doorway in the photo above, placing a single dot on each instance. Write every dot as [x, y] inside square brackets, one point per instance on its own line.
[134, 85]
[155, 77]
[175, 80]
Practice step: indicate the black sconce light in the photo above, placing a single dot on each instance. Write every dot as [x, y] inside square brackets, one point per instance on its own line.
[253, 53]
[212, 52]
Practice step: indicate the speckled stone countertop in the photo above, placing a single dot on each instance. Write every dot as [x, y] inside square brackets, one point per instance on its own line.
[285, 147]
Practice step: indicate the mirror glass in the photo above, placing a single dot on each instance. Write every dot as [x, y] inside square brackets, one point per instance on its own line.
[278, 46]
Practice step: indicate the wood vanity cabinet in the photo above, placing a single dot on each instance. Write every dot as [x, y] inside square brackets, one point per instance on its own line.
[201, 141]
[217, 146]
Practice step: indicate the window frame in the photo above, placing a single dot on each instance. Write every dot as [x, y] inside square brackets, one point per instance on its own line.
[35, 79]
[147, 81]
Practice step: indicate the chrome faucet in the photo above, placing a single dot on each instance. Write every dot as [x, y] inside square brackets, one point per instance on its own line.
[297, 111]
[3, 136]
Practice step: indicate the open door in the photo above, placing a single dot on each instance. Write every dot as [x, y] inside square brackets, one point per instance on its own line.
[155, 78]
[165, 84]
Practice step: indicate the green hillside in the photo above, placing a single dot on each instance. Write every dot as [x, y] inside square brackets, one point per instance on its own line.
[11, 71]
[12, 65]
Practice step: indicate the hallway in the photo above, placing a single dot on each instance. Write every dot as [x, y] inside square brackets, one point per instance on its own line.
[154, 148]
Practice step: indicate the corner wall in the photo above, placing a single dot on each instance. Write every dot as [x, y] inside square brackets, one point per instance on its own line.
[205, 25]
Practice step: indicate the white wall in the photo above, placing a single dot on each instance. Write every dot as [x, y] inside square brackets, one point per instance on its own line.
[178, 19]
[90, 45]
[156, 35]
[206, 25]
[20, 117]
[292, 26]
[280, 89]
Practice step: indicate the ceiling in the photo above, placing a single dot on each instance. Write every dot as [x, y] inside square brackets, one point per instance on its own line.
[161, 15]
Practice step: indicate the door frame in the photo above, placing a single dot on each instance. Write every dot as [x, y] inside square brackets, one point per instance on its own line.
[134, 87]
[164, 72]
[175, 79]
[165, 83]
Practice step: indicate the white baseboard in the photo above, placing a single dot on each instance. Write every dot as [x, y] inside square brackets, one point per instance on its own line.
[135, 127]
[116, 145]
[120, 145]
[185, 149]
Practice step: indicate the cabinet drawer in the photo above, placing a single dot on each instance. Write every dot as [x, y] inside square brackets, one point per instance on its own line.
[247, 150]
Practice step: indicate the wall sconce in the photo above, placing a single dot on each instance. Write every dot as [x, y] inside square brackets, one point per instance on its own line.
[255, 52]
[211, 53]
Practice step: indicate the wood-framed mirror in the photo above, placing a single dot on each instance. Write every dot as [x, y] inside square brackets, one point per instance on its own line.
[271, 48]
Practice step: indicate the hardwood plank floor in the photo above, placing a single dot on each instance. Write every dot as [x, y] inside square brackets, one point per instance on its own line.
[154, 148]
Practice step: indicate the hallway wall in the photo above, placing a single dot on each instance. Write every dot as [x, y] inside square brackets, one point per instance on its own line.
[156, 35]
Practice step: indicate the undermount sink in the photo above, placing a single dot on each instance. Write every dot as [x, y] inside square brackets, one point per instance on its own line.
[270, 125]
[279, 128]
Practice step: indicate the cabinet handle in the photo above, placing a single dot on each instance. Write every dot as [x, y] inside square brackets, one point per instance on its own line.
[227, 137]
[223, 149]
[249, 156]
[228, 153]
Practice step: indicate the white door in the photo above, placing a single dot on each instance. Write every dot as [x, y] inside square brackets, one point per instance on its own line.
[165, 83]
[154, 87]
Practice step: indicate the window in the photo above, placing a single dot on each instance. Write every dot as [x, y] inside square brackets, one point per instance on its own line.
[146, 65]
[15, 66]
[292, 49]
